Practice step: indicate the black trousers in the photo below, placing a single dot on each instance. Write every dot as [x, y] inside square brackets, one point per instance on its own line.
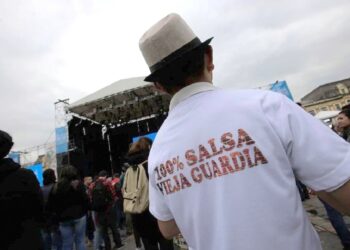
[146, 226]
[115, 235]
[109, 222]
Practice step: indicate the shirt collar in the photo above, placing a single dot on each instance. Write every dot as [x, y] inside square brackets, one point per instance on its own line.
[189, 91]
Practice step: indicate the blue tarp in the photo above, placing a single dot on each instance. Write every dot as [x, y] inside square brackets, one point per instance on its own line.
[281, 87]
[38, 171]
[151, 136]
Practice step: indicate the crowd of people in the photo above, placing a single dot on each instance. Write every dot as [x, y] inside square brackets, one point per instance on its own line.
[73, 213]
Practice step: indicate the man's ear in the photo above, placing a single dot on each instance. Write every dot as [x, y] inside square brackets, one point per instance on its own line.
[159, 87]
[209, 64]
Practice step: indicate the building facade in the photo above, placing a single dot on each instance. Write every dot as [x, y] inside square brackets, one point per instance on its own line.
[327, 97]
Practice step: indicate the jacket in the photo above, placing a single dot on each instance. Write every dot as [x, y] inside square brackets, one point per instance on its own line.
[21, 207]
[69, 204]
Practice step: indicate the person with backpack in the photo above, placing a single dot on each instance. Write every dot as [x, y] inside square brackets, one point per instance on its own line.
[136, 200]
[90, 227]
[103, 197]
[21, 203]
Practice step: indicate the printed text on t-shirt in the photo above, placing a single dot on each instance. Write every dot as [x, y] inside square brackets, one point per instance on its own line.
[218, 158]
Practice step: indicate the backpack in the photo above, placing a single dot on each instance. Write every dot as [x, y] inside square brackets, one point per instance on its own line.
[135, 190]
[101, 197]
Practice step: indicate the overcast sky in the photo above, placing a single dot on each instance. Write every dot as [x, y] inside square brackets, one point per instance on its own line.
[71, 48]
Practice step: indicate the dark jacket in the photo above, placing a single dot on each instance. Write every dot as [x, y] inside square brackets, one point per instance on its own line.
[68, 203]
[346, 134]
[21, 207]
[49, 219]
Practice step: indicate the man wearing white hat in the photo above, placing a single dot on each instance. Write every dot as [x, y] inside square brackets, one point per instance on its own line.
[223, 165]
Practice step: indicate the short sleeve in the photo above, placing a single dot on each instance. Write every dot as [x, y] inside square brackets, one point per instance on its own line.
[319, 157]
[158, 206]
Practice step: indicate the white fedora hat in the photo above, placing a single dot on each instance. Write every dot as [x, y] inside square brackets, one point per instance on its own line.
[166, 41]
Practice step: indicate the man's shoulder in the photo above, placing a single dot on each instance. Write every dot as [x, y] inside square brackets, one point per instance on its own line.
[258, 97]
[246, 93]
[25, 172]
[22, 174]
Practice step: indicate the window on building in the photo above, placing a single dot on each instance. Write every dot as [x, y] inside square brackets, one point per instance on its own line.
[324, 108]
[338, 106]
[348, 101]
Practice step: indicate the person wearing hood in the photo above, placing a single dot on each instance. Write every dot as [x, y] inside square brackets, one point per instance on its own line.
[21, 202]
[69, 202]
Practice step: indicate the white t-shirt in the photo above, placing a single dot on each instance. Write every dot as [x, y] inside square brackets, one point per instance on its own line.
[223, 166]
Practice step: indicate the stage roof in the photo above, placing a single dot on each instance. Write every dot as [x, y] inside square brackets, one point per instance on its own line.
[122, 101]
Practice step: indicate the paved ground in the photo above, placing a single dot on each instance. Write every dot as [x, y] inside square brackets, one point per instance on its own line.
[317, 216]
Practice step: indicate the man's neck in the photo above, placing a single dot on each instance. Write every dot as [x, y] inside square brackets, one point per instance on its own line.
[190, 81]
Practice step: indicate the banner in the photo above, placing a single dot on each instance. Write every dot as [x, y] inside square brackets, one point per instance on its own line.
[38, 171]
[61, 140]
[281, 87]
[151, 136]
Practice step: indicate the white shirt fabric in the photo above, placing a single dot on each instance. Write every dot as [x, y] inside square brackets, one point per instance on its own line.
[250, 144]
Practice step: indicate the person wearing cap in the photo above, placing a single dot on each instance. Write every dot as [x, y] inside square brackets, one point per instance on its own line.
[223, 165]
[21, 203]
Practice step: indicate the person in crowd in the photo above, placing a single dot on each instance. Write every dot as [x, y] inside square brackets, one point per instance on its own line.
[87, 181]
[144, 224]
[119, 199]
[90, 227]
[122, 175]
[339, 225]
[126, 218]
[224, 162]
[103, 198]
[336, 218]
[69, 202]
[21, 203]
[335, 126]
[347, 106]
[50, 231]
[115, 179]
[343, 121]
